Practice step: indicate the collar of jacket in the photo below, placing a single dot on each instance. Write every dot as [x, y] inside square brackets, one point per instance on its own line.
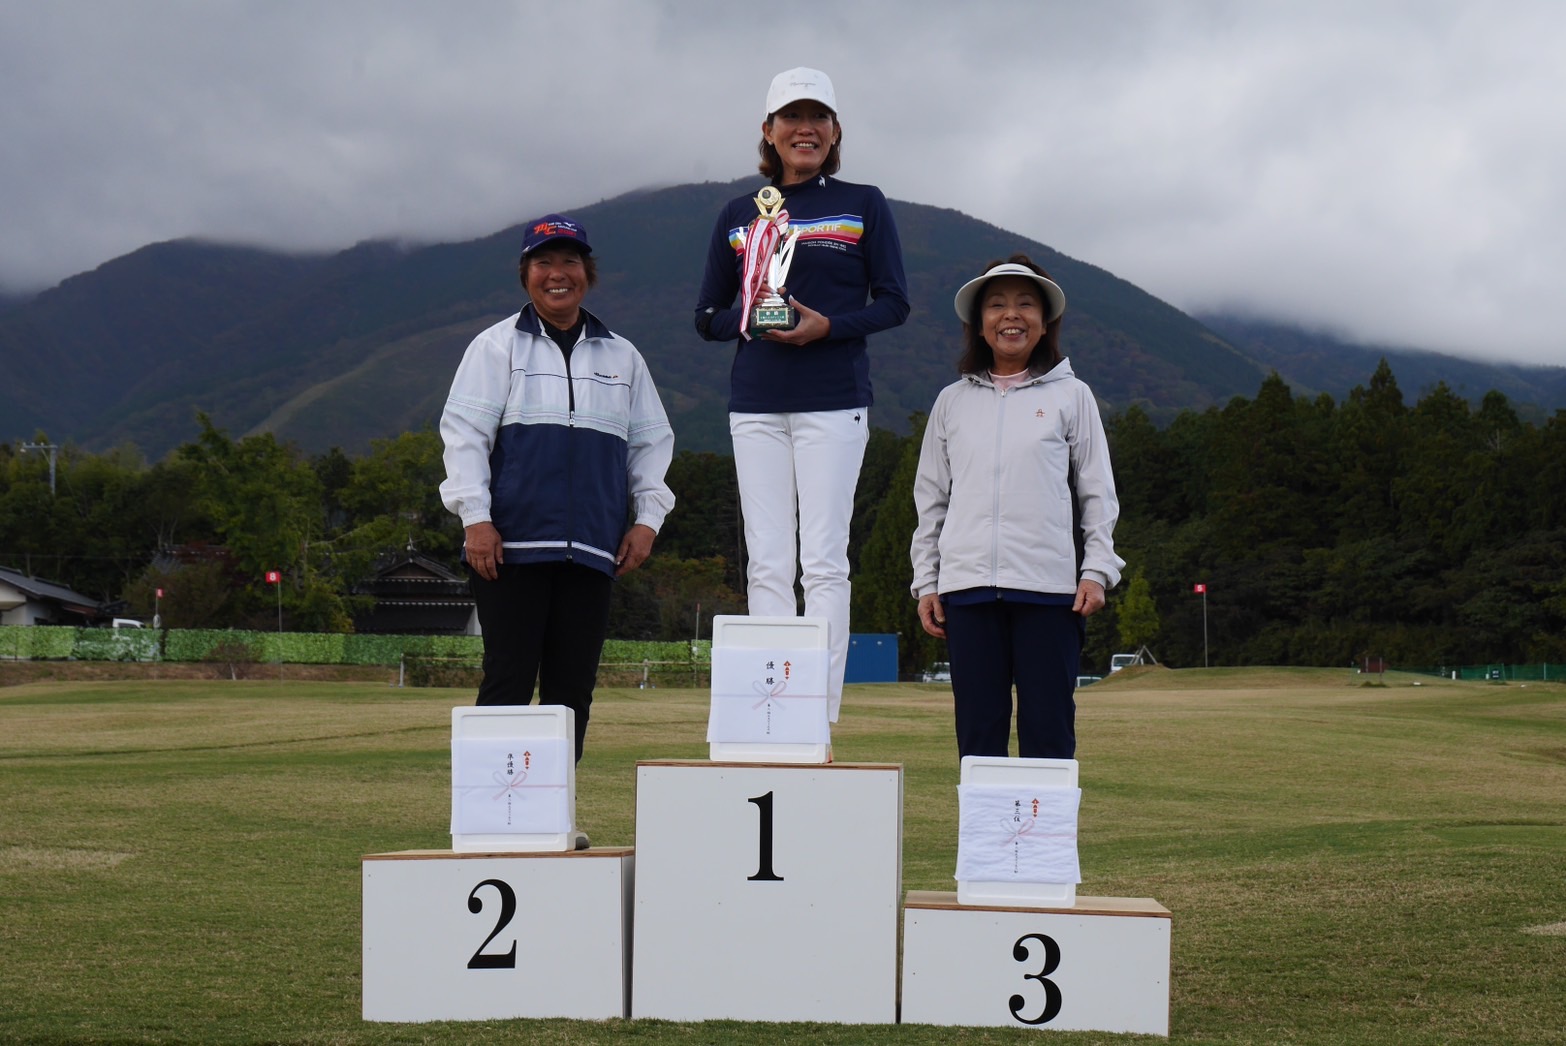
[1035, 376]
[529, 323]
[808, 185]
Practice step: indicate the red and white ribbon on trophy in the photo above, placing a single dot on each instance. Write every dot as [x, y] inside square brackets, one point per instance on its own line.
[761, 245]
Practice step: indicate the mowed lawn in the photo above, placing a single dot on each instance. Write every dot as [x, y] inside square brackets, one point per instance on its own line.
[179, 861]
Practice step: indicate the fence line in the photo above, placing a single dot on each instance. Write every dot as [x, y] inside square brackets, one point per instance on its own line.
[1544, 672]
[68, 643]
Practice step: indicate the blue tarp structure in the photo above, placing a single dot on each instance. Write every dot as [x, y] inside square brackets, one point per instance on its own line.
[872, 658]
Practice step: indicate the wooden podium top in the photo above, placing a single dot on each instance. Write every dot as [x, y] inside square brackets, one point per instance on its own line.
[738, 765]
[464, 855]
[1133, 906]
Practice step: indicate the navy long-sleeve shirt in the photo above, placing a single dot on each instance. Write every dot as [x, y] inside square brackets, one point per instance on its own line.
[848, 266]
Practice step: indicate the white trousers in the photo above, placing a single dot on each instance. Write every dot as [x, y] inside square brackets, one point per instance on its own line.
[797, 474]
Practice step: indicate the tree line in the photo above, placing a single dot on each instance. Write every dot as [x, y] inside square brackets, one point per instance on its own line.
[1323, 532]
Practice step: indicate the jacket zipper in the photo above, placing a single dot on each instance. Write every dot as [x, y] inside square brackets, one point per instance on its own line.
[1000, 428]
[570, 553]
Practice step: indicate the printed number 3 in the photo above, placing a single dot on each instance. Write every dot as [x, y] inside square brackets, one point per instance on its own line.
[508, 908]
[1020, 951]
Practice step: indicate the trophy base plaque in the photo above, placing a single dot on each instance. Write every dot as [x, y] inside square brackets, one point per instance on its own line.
[768, 316]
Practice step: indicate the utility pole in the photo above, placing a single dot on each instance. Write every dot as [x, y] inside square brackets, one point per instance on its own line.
[52, 449]
[1201, 587]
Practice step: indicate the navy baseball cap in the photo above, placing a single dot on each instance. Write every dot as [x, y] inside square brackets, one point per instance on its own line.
[552, 227]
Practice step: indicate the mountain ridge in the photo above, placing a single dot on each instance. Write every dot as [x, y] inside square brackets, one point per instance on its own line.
[337, 349]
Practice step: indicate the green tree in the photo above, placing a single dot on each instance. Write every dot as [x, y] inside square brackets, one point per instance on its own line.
[1136, 613]
[670, 598]
[390, 505]
[706, 518]
[265, 502]
[881, 600]
[196, 594]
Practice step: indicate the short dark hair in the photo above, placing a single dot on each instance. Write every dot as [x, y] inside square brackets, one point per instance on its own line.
[771, 164]
[978, 357]
[589, 263]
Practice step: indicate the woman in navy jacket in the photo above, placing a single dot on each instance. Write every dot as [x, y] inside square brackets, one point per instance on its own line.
[552, 429]
[799, 400]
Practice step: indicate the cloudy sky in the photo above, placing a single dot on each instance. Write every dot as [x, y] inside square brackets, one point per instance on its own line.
[1392, 171]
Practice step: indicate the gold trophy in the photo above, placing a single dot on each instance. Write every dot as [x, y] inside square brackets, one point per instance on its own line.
[773, 250]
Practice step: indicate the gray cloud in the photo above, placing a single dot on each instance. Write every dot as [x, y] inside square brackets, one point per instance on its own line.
[1389, 171]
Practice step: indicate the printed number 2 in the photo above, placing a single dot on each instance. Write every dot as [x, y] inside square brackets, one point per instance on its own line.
[508, 908]
[1020, 952]
[764, 871]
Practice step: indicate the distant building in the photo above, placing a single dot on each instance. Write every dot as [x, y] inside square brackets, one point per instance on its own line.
[417, 596]
[28, 600]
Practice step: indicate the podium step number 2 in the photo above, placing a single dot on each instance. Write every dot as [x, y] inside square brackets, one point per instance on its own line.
[456, 936]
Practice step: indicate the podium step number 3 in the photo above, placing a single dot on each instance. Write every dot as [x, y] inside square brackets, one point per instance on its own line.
[1101, 965]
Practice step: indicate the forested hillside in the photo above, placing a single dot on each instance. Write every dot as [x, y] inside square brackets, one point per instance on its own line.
[1428, 532]
[341, 349]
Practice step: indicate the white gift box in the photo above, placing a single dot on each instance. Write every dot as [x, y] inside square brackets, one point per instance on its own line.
[759, 715]
[513, 778]
[762, 696]
[509, 786]
[1017, 832]
[1017, 835]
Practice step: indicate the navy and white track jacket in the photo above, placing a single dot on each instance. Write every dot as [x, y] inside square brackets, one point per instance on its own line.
[552, 453]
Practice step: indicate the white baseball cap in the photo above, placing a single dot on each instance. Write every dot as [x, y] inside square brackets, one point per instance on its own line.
[800, 84]
[970, 290]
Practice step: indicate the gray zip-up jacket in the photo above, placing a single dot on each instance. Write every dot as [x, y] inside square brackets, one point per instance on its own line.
[993, 489]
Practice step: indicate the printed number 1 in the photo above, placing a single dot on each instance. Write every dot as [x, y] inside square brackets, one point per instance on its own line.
[1020, 952]
[764, 871]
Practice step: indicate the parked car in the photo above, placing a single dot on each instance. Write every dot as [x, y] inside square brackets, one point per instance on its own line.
[940, 672]
[1083, 681]
[1119, 661]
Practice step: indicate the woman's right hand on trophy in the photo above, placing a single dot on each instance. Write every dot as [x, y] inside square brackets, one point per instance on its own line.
[812, 325]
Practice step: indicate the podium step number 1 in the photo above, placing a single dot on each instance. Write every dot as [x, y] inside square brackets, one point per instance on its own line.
[767, 892]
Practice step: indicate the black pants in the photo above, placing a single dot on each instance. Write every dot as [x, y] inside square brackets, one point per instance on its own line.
[1039, 648]
[543, 623]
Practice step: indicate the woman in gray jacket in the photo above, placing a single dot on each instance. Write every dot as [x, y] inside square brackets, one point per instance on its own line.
[1017, 508]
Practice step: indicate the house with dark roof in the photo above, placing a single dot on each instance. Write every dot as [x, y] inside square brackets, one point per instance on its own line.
[26, 600]
[417, 596]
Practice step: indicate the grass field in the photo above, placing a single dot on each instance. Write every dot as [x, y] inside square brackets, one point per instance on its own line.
[179, 860]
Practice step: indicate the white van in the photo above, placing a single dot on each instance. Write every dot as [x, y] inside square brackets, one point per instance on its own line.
[1119, 661]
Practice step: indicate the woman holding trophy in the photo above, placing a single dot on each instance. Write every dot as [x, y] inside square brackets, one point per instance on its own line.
[798, 276]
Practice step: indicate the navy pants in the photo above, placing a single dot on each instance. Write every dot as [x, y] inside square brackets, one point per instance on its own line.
[543, 623]
[995, 644]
